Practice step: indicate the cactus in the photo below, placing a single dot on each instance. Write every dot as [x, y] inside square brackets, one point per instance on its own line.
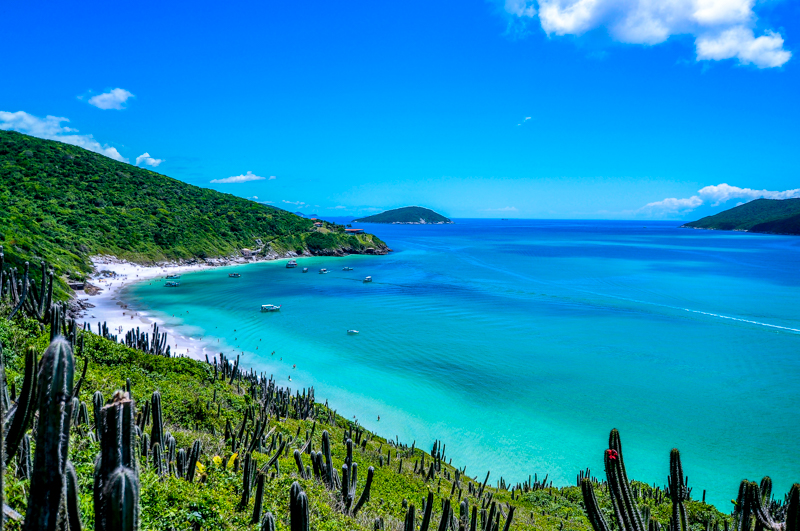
[158, 460]
[157, 432]
[268, 522]
[97, 404]
[298, 508]
[678, 493]
[754, 500]
[259, 499]
[326, 450]
[21, 416]
[194, 456]
[116, 474]
[426, 517]
[73, 502]
[410, 523]
[24, 461]
[365, 493]
[247, 470]
[47, 503]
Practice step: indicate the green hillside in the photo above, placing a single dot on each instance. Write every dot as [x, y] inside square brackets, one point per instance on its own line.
[773, 216]
[64, 204]
[411, 214]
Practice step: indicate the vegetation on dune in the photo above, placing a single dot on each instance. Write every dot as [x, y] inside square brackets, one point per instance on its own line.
[773, 216]
[411, 214]
[127, 437]
[63, 204]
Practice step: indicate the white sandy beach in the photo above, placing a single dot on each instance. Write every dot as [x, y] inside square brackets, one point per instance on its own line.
[111, 276]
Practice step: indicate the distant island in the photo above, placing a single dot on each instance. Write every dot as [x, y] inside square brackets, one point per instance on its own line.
[768, 216]
[411, 215]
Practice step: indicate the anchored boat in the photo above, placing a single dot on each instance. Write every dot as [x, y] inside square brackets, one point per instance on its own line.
[234, 275]
[269, 308]
[173, 277]
[323, 271]
[291, 263]
[172, 284]
[347, 269]
[352, 332]
[305, 270]
[368, 279]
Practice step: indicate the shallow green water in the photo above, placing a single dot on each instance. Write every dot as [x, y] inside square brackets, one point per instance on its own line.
[520, 344]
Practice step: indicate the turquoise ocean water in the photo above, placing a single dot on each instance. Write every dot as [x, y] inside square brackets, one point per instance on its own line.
[520, 344]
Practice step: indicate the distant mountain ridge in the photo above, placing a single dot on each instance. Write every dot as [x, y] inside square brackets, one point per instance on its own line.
[411, 215]
[768, 216]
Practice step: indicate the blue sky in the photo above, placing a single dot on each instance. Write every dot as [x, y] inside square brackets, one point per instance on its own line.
[476, 108]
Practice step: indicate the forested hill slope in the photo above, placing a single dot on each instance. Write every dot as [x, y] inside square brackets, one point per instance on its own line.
[63, 204]
[773, 216]
[408, 215]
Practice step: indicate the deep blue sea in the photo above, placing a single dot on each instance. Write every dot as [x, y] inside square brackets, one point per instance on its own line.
[521, 343]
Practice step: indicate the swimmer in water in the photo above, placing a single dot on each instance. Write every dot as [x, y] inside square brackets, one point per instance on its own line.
[294, 366]
[379, 417]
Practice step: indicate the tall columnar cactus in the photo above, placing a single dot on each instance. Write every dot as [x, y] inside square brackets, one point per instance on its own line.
[326, 451]
[298, 508]
[678, 492]
[97, 404]
[753, 502]
[194, 456]
[365, 494]
[259, 499]
[116, 473]
[627, 515]
[157, 432]
[20, 416]
[268, 522]
[2, 441]
[47, 500]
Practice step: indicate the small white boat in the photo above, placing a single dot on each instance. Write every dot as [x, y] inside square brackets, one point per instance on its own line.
[173, 277]
[234, 275]
[305, 270]
[291, 263]
[368, 279]
[323, 271]
[172, 284]
[347, 269]
[269, 308]
[352, 332]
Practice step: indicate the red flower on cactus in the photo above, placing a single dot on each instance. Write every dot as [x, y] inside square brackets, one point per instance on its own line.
[612, 454]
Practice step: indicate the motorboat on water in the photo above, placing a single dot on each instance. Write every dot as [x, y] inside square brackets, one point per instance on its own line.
[323, 271]
[291, 263]
[269, 308]
[347, 269]
[234, 275]
[305, 270]
[352, 332]
[172, 284]
[368, 279]
[173, 277]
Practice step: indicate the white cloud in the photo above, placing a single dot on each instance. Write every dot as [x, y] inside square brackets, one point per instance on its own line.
[723, 29]
[293, 202]
[715, 195]
[113, 99]
[740, 43]
[148, 160]
[247, 177]
[50, 128]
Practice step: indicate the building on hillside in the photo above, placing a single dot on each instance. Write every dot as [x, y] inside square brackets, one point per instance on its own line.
[354, 231]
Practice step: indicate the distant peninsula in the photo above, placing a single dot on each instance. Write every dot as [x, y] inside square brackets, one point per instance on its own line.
[411, 215]
[768, 216]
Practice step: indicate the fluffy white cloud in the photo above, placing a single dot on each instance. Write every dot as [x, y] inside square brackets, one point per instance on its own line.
[715, 195]
[113, 99]
[148, 160]
[740, 43]
[247, 177]
[50, 128]
[298, 203]
[722, 28]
